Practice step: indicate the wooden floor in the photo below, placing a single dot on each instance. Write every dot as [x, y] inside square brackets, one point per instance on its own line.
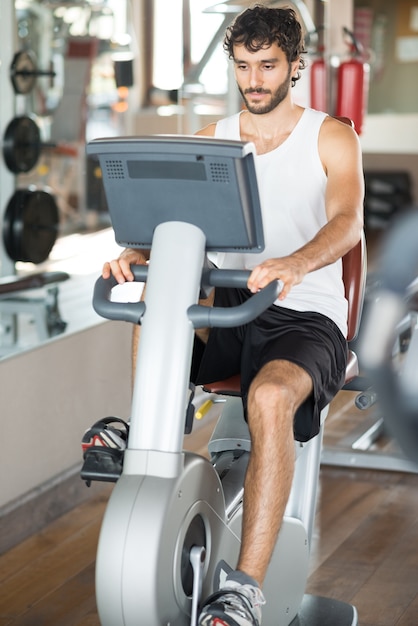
[365, 548]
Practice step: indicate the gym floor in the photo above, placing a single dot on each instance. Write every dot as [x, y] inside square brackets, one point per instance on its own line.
[364, 544]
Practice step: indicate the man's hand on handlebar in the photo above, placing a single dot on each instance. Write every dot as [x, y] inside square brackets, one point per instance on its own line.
[289, 270]
[120, 267]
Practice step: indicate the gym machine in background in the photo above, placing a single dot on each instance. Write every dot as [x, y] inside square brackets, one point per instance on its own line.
[30, 223]
[396, 383]
[57, 85]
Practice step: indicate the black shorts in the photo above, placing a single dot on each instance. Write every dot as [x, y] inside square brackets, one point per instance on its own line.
[310, 340]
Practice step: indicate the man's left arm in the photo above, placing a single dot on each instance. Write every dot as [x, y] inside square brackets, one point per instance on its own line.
[340, 153]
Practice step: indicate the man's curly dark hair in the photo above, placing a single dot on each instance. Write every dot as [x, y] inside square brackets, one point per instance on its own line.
[260, 26]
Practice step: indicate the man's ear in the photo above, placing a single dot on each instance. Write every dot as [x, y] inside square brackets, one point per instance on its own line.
[295, 67]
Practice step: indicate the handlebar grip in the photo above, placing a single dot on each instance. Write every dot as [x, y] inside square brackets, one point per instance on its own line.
[226, 278]
[225, 317]
[121, 311]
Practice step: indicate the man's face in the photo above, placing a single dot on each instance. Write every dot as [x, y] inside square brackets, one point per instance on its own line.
[263, 77]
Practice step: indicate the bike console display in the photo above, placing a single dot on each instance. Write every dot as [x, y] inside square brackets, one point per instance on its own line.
[208, 182]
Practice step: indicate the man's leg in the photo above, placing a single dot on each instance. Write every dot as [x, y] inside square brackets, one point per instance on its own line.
[274, 396]
[135, 344]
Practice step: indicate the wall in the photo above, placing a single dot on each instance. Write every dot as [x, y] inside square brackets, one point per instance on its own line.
[55, 392]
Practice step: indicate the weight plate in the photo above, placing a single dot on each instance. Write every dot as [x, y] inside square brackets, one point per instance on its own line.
[23, 72]
[21, 144]
[30, 225]
[8, 219]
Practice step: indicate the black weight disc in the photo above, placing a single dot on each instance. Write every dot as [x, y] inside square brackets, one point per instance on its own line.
[21, 144]
[23, 72]
[30, 225]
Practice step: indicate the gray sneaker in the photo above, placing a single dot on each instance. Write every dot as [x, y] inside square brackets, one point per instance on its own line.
[233, 605]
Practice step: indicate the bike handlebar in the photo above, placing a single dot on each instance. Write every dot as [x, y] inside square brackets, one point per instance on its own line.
[120, 311]
[200, 316]
[223, 317]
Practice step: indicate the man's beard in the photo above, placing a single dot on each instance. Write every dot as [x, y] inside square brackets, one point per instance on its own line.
[276, 98]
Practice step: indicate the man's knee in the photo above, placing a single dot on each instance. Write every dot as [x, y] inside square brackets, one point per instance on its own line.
[279, 388]
[268, 392]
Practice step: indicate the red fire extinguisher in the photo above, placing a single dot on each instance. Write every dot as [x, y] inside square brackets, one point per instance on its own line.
[353, 86]
[318, 83]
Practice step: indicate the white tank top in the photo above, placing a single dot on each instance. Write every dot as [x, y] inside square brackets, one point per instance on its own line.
[292, 182]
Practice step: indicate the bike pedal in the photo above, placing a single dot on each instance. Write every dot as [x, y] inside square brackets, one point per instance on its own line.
[102, 464]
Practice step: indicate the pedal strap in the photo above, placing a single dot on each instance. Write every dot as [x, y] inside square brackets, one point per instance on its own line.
[106, 421]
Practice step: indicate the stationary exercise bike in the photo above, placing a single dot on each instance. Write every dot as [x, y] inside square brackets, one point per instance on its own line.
[171, 531]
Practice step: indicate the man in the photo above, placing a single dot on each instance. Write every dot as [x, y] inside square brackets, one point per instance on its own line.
[292, 358]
